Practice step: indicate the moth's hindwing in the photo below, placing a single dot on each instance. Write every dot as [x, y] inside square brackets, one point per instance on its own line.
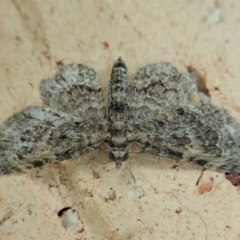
[38, 135]
[170, 120]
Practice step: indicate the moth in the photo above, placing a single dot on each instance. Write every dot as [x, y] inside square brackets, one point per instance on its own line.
[164, 114]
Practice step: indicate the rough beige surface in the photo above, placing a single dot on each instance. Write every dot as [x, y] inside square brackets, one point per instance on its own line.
[150, 197]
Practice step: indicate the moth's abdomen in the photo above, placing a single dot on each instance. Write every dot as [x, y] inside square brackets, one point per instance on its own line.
[119, 112]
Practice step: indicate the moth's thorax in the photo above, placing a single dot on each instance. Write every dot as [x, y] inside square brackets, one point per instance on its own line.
[118, 112]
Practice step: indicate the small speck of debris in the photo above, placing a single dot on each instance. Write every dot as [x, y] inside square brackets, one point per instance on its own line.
[205, 186]
[234, 178]
[178, 211]
[90, 194]
[60, 63]
[174, 166]
[70, 219]
[60, 213]
[135, 193]
[126, 17]
[215, 16]
[106, 45]
[17, 38]
[95, 174]
[112, 196]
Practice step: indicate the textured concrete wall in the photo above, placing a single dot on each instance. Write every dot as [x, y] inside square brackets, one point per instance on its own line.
[150, 197]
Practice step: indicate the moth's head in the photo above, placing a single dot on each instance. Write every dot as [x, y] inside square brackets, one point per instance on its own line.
[118, 157]
[119, 68]
[119, 64]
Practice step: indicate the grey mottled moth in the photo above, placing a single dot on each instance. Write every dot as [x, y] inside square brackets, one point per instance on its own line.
[163, 113]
